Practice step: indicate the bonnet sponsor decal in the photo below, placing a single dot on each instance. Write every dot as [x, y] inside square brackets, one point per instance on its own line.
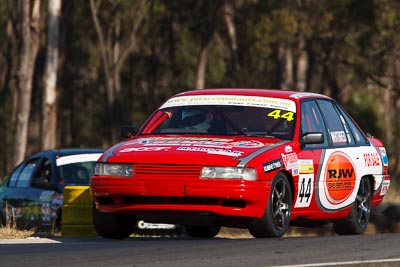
[145, 149]
[216, 151]
[272, 165]
[218, 146]
[195, 141]
[340, 178]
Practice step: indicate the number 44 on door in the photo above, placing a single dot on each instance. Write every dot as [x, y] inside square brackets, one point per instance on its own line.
[305, 190]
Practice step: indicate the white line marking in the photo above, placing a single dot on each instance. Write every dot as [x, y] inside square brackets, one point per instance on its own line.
[339, 263]
[29, 240]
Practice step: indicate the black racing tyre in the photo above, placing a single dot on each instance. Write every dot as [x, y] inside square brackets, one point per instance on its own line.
[357, 221]
[202, 231]
[276, 219]
[113, 225]
[58, 220]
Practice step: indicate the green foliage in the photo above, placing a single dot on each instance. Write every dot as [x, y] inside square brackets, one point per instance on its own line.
[363, 107]
[350, 44]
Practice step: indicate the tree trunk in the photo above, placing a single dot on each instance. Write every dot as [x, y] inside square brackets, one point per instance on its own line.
[10, 85]
[64, 129]
[49, 110]
[396, 106]
[302, 67]
[229, 13]
[201, 67]
[114, 53]
[390, 109]
[205, 47]
[30, 47]
[286, 67]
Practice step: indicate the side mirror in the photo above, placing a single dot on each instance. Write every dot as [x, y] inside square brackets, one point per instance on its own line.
[128, 131]
[312, 138]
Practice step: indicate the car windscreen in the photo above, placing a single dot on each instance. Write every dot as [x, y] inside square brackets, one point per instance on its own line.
[223, 120]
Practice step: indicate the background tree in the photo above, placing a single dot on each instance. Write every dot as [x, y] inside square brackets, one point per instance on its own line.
[120, 59]
[49, 110]
[211, 11]
[8, 70]
[30, 29]
[116, 43]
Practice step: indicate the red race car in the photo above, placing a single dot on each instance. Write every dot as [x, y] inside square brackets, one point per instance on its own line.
[245, 158]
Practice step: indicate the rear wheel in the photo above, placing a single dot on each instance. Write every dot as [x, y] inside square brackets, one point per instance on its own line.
[202, 231]
[113, 225]
[275, 221]
[358, 219]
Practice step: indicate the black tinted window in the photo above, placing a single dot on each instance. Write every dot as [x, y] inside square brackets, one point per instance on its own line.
[312, 121]
[14, 176]
[358, 136]
[335, 127]
[26, 173]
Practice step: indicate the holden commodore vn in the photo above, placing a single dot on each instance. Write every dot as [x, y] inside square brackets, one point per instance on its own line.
[245, 158]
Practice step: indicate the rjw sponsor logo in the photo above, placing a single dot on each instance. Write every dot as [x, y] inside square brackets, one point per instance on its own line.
[340, 178]
[341, 173]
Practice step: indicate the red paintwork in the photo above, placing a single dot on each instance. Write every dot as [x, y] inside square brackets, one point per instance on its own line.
[185, 185]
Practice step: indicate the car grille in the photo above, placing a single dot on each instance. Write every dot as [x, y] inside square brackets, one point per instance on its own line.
[150, 170]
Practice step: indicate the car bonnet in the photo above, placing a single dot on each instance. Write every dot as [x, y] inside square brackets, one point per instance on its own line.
[223, 151]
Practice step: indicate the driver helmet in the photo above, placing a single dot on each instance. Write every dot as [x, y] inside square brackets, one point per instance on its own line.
[196, 118]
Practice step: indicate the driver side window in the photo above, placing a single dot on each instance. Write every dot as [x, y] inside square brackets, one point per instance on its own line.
[312, 122]
[42, 176]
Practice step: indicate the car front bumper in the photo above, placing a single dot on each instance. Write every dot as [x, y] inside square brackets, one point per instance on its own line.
[159, 196]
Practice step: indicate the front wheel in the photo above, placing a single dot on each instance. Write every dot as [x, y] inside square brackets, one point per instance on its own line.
[113, 225]
[357, 221]
[276, 219]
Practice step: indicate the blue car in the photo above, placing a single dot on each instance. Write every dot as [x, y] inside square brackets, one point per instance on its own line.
[31, 196]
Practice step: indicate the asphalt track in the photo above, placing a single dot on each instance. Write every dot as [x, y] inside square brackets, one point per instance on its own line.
[366, 250]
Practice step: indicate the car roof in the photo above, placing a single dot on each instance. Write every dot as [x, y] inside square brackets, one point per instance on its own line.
[67, 152]
[254, 92]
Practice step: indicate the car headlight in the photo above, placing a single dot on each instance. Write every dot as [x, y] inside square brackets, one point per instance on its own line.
[110, 169]
[248, 174]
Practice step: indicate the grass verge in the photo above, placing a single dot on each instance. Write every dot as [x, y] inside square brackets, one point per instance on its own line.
[10, 231]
